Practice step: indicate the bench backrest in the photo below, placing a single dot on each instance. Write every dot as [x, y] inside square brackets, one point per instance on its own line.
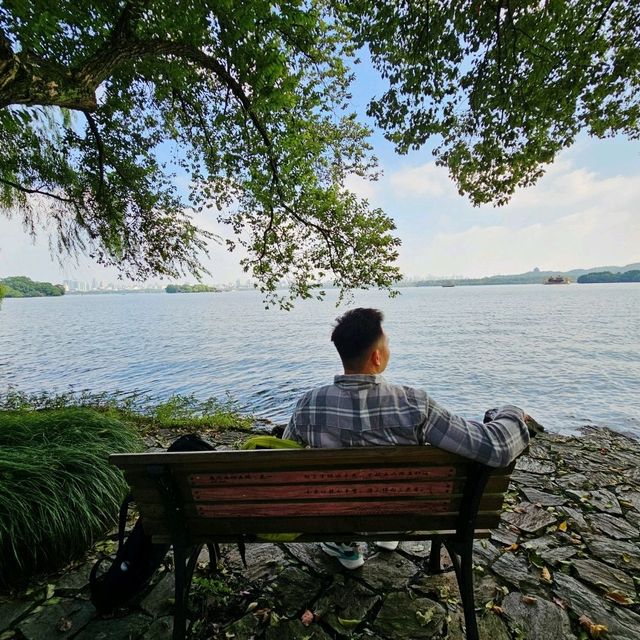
[315, 492]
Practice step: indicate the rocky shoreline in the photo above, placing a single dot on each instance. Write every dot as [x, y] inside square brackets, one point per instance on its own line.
[564, 564]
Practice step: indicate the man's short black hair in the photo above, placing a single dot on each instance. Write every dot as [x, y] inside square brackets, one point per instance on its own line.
[355, 333]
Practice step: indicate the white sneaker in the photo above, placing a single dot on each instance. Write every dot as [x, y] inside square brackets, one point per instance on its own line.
[348, 555]
[387, 545]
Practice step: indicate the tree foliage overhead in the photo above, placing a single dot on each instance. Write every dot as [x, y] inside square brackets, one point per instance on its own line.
[248, 97]
[251, 100]
[504, 85]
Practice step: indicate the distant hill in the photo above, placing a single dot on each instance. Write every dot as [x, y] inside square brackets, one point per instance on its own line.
[530, 277]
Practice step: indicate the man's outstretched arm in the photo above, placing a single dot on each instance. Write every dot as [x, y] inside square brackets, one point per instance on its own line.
[495, 443]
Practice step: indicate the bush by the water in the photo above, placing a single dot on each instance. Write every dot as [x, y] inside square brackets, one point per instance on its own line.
[57, 490]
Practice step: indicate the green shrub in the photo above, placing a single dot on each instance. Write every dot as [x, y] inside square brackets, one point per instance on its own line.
[57, 490]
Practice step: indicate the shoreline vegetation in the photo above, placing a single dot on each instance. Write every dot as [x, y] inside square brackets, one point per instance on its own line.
[607, 276]
[563, 562]
[190, 288]
[23, 287]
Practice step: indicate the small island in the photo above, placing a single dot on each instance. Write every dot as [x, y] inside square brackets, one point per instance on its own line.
[607, 276]
[190, 288]
[23, 287]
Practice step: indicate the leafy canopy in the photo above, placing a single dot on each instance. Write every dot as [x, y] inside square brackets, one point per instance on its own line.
[248, 98]
[504, 85]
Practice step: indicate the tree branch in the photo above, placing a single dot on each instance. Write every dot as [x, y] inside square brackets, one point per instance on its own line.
[19, 187]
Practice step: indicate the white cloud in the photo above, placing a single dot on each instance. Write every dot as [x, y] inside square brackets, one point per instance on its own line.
[424, 180]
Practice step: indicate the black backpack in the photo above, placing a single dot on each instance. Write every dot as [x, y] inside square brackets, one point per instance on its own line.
[137, 558]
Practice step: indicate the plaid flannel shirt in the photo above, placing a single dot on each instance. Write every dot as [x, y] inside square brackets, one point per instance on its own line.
[360, 410]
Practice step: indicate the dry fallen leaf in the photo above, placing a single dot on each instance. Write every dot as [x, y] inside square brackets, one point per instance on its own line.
[618, 597]
[560, 602]
[64, 624]
[306, 618]
[498, 610]
[593, 629]
[546, 575]
[528, 600]
[512, 547]
[563, 526]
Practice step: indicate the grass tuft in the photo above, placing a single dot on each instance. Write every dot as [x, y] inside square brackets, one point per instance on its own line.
[58, 492]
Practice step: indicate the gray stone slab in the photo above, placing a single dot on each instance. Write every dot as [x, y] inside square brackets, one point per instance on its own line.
[583, 601]
[74, 581]
[538, 619]
[344, 600]
[535, 466]
[263, 560]
[604, 577]
[243, 629]
[600, 499]
[543, 498]
[572, 481]
[12, 610]
[631, 498]
[529, 518]
[404, 618]
[484, 552]
[491, 627]
[618, 553]
[558, 555]
[127, 628]
[514, 569]
[60, 620]
[387, 571]
[484, 589]
[575, 519]
[294, 590]
[295, 630]
[162, 629]
[524, 479]
[416, 548]
[612, 526]
[159, 601]
[504, 537]
[313, 557]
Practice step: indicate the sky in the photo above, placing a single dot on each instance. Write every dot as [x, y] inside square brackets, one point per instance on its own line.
[583, 213]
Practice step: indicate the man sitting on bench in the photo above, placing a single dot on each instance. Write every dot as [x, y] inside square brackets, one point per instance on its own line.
[362, 409]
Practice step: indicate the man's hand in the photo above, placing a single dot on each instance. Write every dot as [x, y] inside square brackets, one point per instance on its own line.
[533, 426]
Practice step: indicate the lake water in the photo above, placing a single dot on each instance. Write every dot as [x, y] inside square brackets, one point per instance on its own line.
[569, 355]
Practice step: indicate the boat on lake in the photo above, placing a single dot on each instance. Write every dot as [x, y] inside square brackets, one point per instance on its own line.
[557, 280]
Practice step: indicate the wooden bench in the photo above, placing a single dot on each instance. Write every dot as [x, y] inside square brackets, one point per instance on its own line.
[357, 494]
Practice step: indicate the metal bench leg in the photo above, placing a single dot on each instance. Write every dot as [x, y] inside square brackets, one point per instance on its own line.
[434, 555]
[180, 615]
[462, 558]
[214, 557]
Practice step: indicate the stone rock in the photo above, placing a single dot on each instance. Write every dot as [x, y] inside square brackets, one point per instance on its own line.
[542, 498]
[13, 610]
[313, 557]
[540, 544]
[404, 618]
[75, 580]
[574, 519]
[295, 630]
[131, 626]
[515, 570]
[633, 517]
[622, 625]
[529, 518]
[294, 590]
[539, 452]
[491, 627]
[605, 578]
[558, 555]
[536, 466]
[624, 555]
[43, 623]
[631, 497]
[160, 600]
[602, 500]
[161, 629]
[612, 526]
[524, 479]
[345, 600]
[484, 553]
[439, 586]
[417, 548]
[263, 560]
[387, 571]
[243, 629]
[539, 620]
[572, 481]
[504, 537]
